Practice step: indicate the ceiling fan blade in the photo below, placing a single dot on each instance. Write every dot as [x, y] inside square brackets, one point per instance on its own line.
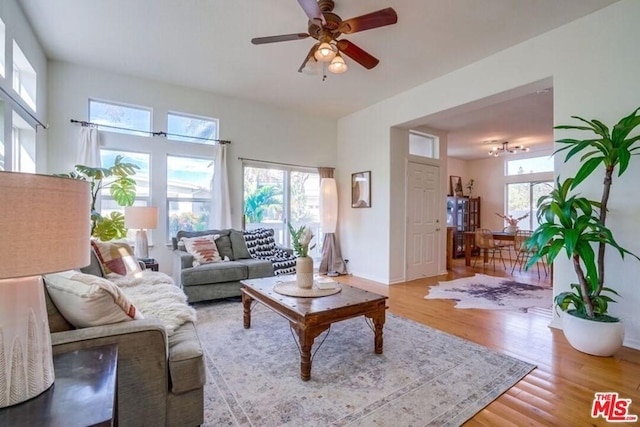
[312, 10]
[371, 20]
[360, 56]
[280, 38]
[308, 57]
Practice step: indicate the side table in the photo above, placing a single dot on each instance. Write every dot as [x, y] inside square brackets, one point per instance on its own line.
[150, 264]
[83, 393]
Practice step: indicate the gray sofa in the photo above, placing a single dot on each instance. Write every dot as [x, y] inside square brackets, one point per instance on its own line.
[160, 379]
[220, 279]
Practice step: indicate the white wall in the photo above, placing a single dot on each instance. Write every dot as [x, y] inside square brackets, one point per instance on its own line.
[17, 28]
[594, 72]
[256, 131]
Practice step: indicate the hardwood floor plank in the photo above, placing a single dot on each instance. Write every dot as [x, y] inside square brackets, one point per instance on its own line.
[559, 391]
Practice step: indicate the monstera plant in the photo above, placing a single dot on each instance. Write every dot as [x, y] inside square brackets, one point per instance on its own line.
[122, 187]
[576, 226]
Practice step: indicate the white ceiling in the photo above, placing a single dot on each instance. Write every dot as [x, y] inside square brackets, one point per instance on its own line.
[206, 45]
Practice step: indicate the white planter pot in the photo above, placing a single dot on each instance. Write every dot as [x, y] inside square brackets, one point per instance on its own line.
[591, 337]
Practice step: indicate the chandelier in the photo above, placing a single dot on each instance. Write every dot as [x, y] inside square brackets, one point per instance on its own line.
[497, 150]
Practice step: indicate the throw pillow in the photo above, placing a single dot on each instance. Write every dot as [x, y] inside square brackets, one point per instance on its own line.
[203, 249]
[86, 300]
[116, 258]
[260, 243]
[239, 245]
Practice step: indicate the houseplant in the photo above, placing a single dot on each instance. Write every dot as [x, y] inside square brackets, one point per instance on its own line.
[304, 263]
[574, 224]
[512, 223]
[117, 178]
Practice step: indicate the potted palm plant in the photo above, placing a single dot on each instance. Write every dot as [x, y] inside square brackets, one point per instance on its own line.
[575, 225]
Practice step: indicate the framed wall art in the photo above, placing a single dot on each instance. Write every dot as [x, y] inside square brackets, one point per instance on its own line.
[455, 186]
[361, 189]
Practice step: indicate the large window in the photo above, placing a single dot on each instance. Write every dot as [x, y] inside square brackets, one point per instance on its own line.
[188, 193]
[23, 146]
[24, 77]
[522, 198]
[182, 127]
[2, 51]
[120, 118]
[142, 160]
[529, 165]
[274, 196]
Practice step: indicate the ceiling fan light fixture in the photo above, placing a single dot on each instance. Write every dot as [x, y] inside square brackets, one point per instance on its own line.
[338, 66]
[325, 52]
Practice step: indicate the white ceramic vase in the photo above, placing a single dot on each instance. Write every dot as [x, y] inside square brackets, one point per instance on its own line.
[591, 337]
[304, 272]
[511, 229]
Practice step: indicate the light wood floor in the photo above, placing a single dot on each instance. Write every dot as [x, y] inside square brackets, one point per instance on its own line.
[559, 392]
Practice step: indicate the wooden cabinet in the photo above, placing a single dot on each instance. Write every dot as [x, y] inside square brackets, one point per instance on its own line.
[463, 214]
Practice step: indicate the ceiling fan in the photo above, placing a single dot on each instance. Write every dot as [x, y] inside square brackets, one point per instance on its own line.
[326, 27]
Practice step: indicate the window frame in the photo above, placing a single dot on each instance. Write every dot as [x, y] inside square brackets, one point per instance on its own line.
[114, 128]
[171, 136]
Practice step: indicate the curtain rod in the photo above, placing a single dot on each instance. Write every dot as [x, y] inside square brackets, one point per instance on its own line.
[278, 163]
[164, 134]
[23, 108]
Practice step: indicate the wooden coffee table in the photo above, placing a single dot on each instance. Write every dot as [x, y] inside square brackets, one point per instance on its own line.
[309, 317]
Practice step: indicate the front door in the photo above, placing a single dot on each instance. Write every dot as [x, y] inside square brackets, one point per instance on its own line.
[423, 184]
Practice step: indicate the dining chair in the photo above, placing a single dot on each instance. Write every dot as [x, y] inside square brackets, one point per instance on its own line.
[485, 242]
[522, 253]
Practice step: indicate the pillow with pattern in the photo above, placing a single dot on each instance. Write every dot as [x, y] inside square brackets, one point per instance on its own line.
[203, 249]
[260, 243]
[116, 257]
[86, 300]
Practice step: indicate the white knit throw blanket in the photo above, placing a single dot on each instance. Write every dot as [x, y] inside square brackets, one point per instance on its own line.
[155, 295]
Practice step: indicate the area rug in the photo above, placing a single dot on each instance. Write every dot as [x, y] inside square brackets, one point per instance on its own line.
[425, 377]
[492, 293]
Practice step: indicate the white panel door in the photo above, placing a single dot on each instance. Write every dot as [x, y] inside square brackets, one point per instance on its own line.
[423, 184]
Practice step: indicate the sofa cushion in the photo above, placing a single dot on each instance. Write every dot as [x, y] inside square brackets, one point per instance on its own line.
[257, 268]
[238, 244]
[203, 249]
[95, 267]
[85, 300]
[186, 361]
[116, 257]
[214, 273]
[223, 241]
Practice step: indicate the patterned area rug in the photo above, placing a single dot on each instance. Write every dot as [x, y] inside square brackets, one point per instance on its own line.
[425, 377]
[492, 293]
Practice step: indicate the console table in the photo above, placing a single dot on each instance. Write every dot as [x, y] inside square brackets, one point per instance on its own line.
[83, 393]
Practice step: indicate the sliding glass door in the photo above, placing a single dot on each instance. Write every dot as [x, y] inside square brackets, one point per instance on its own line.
[275, 195]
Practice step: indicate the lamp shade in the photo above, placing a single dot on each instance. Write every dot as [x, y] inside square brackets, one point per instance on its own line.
[44, 224]
[328, 205]
[325, 52]
[141, 217]
[337, 65]
[44, 228]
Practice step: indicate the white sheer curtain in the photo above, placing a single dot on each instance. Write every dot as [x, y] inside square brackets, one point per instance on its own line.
[89, 153]
[220, 217]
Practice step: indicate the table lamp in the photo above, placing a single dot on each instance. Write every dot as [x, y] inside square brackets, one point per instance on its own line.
[44, 228]
[142, 218]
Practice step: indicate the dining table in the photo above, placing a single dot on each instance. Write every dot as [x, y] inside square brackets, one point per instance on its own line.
[469, 237]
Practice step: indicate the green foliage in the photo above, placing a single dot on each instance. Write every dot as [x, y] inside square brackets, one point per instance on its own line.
[301, 239]
[259, 200]
[577, 224]
[122, 188]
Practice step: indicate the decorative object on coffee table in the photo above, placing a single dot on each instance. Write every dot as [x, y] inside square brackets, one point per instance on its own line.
[304, 263]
